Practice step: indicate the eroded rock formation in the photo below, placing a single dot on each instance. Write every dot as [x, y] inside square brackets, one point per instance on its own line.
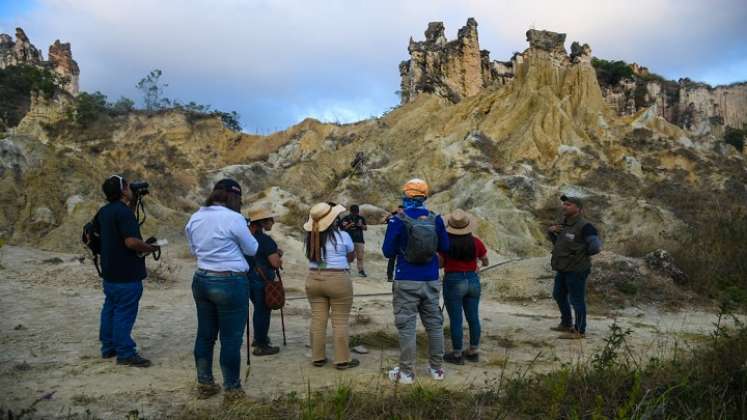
[22, 51]
[452, 69]
[696, 107]
[458, 69]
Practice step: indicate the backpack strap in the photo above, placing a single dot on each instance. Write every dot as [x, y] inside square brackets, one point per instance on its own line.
[96, 264]
[261, 273]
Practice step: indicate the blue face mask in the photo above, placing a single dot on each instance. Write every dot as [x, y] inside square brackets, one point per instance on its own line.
[413, 203]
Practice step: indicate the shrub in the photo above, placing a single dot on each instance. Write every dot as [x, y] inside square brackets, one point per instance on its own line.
[88, 108]
[16, 85]
[735, 137]
[611, 72]
[713, 255]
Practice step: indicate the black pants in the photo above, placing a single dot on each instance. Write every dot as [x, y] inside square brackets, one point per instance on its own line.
[390, 268]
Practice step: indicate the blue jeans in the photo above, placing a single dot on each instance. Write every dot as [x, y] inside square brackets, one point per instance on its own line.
[261, 315]
[118, 317]
[462, 293]
[571, 286]
[222, 306]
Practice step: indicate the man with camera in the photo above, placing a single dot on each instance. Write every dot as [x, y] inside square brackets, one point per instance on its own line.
[122, 269]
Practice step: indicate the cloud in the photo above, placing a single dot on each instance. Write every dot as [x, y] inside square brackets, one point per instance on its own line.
[276, 62]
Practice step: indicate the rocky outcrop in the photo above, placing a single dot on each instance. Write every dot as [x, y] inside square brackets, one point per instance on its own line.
[546, 40]
[61, 61]
[696, 107]
[22, 51]
[453, 69]
[458, 69]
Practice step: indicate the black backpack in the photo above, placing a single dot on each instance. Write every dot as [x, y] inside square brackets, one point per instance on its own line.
[422, 239]
[91, 238]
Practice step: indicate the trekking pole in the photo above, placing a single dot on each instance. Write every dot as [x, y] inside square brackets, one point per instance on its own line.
[282, 324]
[248, 348]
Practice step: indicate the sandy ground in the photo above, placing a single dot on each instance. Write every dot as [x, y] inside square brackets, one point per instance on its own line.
[49, 350]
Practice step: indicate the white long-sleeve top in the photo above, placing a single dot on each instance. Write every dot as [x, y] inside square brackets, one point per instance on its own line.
[219, 238]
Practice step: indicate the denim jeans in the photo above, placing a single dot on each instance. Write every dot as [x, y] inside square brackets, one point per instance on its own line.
[261, 315]
[462, 293]
[118, 317]
[571, 286]
[410, 299]
[222, 306]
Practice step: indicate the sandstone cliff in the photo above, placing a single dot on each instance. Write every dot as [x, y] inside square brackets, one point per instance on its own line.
[22, 51]
[459, 69]
[697, 107]
[505, 150]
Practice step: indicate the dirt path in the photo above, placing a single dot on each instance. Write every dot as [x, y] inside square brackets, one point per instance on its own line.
[49, 350]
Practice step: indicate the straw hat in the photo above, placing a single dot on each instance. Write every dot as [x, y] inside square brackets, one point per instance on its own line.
[459, 223]
[324, 215]
[256, 215]
[415, 188]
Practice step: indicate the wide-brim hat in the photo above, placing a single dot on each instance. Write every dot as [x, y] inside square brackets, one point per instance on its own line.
[256, 215]
[460, 222]
[323, 215]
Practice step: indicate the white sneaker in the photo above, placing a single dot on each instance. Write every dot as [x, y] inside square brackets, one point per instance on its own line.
[438, 374]
[401, 377]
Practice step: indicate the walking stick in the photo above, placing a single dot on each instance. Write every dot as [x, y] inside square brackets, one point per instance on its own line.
[282, 315]
[282, 324]
[248, 348]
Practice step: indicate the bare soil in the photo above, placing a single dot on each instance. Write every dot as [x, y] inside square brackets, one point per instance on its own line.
[49, 349]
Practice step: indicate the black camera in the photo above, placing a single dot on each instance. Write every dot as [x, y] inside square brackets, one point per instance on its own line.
[139, 188]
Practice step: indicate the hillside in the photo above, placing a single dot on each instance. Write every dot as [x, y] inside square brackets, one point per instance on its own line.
[505, 152]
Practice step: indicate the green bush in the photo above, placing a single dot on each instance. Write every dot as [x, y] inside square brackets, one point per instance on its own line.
[16, 85]
[735, 137]
[611, 72]
[714, 256]
[709, 382]
[88, 108]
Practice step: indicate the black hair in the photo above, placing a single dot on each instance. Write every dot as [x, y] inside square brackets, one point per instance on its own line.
[462, 247]
[354, 208]
[229, 199]
[324, 236]
[112, 188]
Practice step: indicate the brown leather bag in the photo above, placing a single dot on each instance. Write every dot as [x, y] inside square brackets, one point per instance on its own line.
[274, 291]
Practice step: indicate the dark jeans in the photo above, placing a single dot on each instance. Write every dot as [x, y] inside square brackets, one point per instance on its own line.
[222, 306]
[571, 286]
[462, 293]
[118, 317]
[261, 315]
[390, 268]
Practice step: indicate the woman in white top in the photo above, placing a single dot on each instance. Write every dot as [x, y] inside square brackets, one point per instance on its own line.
[219, 237]
[328, 285]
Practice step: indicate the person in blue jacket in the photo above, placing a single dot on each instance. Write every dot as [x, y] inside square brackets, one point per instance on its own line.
[414, 238]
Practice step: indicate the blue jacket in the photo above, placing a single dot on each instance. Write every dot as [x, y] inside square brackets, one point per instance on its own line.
[395, 242]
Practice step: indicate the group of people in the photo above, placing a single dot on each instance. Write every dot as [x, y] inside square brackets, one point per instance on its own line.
[236, 258]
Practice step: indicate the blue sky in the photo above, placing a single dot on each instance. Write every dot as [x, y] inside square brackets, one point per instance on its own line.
[277, 62]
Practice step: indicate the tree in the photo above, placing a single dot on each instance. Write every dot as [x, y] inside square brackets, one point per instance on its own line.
[611, 72]
[89, 107]
[122, 106]
[230, 120]
[152, 89]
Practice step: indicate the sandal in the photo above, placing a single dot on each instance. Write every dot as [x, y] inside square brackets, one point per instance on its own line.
[319, 363]
[347, 365]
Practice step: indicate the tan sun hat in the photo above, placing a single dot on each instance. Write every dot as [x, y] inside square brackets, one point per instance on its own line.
[459, 223]
[323, 215]
[259, 214]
